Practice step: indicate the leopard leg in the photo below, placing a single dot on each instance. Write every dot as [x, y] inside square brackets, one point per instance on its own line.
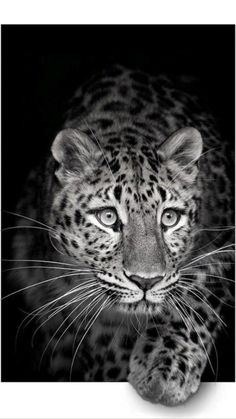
[167, 363]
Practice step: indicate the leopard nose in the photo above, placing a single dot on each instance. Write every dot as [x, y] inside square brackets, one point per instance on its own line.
[145, 283]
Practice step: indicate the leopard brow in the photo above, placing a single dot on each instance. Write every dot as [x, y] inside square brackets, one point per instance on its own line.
[180, 210]
[95, 209]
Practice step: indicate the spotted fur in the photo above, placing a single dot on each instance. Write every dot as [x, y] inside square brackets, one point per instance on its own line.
[132, 143]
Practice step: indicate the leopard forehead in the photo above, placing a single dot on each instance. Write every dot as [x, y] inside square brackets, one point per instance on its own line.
[135, 179]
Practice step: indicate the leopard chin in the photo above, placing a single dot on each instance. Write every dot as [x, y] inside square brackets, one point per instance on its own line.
[142, 307]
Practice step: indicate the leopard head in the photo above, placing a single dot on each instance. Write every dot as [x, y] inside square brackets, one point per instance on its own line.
[127, 213]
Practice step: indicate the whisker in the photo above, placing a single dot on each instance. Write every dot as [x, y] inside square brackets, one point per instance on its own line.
[193, 161]
[59, 309]
[91, 293]
[186, 284]
[173, 302]
[86, 332]
[136, 330]
[212, 341]
[185, 318]
[208, 264]
[219, 228]
[92, 305]
[46, 267]
[85, 287]
[118, 328]
[35, 312]
[194, 328]
[39, 261]
[207, 244]
[42, 282]
[99, 145]
[189, 288]
[208, 305]
[213, 252]
[28, 218]
[89, 310]
[155, 325]
[221, 277]
[54, 246]
[19, 227]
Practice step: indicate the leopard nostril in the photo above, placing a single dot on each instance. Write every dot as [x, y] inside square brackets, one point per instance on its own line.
[145, 283]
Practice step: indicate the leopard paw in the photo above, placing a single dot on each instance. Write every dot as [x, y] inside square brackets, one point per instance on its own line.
[169, 379]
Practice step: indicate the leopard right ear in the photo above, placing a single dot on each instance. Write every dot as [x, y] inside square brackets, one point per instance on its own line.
[76, 154]
[183, 146]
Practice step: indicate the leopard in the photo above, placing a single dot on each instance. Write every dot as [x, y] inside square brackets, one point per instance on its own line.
[125, 235]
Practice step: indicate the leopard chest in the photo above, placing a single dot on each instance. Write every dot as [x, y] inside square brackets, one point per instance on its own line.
[102, 355]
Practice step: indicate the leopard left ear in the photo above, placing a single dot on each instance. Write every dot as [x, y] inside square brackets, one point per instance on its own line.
[183, 146]
[76, 154]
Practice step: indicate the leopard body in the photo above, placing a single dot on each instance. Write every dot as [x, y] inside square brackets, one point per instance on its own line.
[112, 153]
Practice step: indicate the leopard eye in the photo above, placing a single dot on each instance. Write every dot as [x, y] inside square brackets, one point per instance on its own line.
[107, 216]
[170, 218]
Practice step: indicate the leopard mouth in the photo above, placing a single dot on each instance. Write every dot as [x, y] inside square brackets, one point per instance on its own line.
[133, 294]
[118, 289]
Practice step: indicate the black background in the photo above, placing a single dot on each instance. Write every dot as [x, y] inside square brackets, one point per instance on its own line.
[42, 66]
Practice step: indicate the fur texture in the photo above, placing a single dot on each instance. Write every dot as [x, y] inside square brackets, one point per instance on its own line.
[135, 213]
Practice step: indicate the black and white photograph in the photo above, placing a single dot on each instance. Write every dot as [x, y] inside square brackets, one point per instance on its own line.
[118, 206]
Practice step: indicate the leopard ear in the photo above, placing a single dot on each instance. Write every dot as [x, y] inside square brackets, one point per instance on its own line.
[183, 146]
[76, 154]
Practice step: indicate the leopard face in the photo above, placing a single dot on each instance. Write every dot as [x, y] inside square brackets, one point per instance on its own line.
[130, 218]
